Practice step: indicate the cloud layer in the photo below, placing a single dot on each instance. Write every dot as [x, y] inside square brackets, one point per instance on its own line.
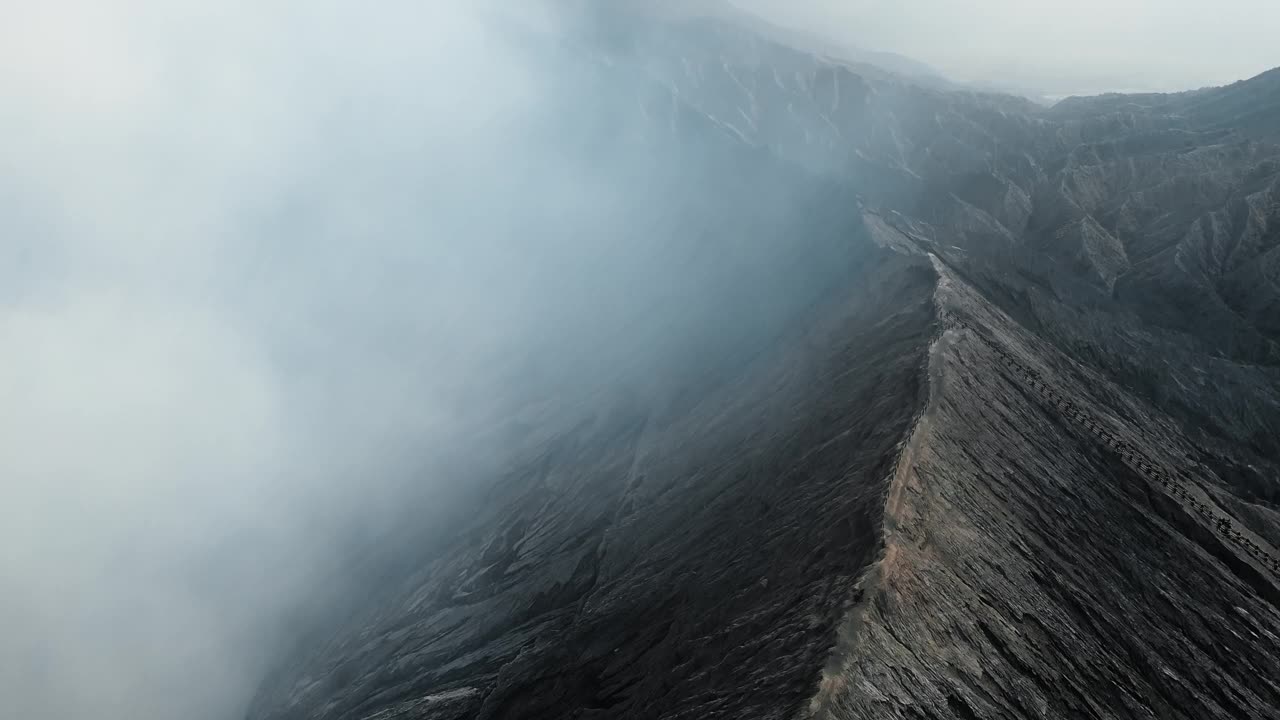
[1084, 47]
[241, 303]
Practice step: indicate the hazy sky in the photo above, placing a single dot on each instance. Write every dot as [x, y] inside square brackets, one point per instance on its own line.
[1059, 48]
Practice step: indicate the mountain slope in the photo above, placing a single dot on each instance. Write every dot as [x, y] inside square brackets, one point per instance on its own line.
[986, 428]
[685, 566]
[1050, 552]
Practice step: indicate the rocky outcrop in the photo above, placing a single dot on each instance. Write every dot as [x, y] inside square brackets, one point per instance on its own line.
[1092, 251]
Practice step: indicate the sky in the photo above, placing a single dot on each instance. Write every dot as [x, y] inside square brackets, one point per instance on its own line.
[1056, 48]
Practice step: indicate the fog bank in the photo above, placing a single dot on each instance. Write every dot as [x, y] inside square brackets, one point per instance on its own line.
[248, 295]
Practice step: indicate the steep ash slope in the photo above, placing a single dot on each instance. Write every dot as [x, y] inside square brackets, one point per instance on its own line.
[1050, 552]
[690, 565]
[1021, 460]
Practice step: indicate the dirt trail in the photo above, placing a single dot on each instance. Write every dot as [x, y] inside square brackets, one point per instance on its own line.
[899, 515]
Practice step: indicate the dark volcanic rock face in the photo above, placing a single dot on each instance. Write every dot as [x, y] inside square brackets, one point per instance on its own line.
[1001, 439]
[1051, 552]
[685, 566]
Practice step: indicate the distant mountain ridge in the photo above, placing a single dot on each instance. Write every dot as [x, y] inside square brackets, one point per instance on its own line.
[1249, 106]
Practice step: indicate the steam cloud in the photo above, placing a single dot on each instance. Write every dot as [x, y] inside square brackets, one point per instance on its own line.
[255, 277]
